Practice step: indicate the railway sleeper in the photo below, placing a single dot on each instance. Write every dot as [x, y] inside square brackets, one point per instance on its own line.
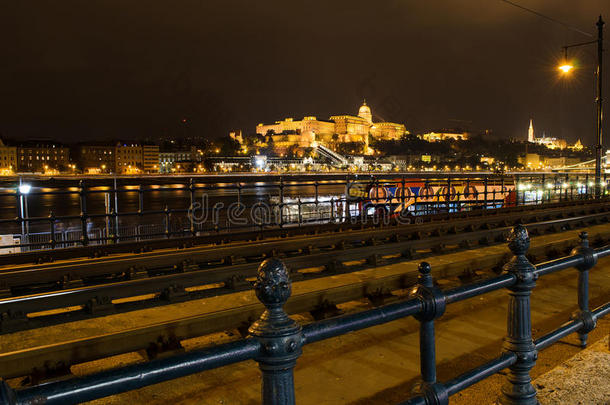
[438, 248]
[334, 266]
[136, 272]
[174, 293]
[97, 253]
[237, 282]
[324, 310]
[68, 282]
[381, 296]
[99, 305]
[44, 259]
[48, 371]
[163, 347]
[295, 274]
[486, 240]
[469, 275]
[466, 244]
[374, 260]
[408, 253]
[552, 252]
[10, 320]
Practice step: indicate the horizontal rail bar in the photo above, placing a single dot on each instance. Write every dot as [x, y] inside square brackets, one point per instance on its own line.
[569, 328]
[473, 290]
[558, 264]
[480, 373]
[340, 325]
[113, 382]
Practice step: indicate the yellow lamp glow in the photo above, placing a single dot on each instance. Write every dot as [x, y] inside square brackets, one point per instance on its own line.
[566, 68]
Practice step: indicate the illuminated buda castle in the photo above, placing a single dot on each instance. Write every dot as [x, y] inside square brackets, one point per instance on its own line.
[551, 143]
[337, 129]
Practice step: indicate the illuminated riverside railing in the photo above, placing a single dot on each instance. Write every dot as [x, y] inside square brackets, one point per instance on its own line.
[276, 341]
[114, 213]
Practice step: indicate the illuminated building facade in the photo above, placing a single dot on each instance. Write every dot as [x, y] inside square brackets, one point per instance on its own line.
[95, 158]
[128, 159]
[8, 159]
[121, 158]
[172, 161]
[40, 157]
[551, 143]
[150, 158]
[443, 136]
[337, 129]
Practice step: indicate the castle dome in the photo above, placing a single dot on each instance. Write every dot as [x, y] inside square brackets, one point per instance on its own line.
[365, 112]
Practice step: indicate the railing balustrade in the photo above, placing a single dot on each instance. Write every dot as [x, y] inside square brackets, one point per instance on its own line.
[273, 204]
[276, 341]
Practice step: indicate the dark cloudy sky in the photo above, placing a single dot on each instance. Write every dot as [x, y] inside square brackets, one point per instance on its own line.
[85, 70]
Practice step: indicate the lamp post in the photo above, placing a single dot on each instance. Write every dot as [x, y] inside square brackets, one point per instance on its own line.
[566, 68]
[24, 189]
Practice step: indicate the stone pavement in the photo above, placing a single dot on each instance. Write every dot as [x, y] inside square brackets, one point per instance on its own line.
[583, 379]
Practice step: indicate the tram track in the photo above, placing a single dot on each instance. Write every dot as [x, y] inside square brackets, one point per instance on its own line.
[56, 358]
[108, 285]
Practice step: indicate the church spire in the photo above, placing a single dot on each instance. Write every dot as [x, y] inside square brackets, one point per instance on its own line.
[530, 132]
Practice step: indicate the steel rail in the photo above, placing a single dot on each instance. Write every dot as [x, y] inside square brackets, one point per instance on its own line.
[280, 339]
[73, 271]
[59, 356]
[97, 300]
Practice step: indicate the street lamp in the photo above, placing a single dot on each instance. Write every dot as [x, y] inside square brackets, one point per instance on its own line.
[566, 68]
[24, 190]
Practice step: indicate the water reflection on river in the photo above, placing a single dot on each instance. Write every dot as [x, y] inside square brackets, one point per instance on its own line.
[99, 200]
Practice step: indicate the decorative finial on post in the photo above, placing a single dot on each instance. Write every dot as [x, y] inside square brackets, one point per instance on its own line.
[424, 273]
[518, 240]
[518, 390]
[279, 335]
[583, 314]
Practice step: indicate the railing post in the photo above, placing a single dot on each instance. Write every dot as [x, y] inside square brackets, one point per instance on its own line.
[346, 210]
[82, 192]
[281, 203]
[583, 314]
[280, 336]
[115, 191]
[192, 208]
[518, 390]
[433, 306]
[52, 229]
[486, 199]
[167, 213]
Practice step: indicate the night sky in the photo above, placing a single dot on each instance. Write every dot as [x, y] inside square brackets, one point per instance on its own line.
[90, 70]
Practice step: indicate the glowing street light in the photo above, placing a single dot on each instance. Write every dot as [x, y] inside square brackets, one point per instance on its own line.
[25, 188]
[566, 68]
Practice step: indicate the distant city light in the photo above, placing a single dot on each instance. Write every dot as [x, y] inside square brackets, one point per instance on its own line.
[25, 188]
[260, 161]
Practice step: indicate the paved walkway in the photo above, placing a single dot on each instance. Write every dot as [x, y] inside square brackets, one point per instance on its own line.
[582, 380]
